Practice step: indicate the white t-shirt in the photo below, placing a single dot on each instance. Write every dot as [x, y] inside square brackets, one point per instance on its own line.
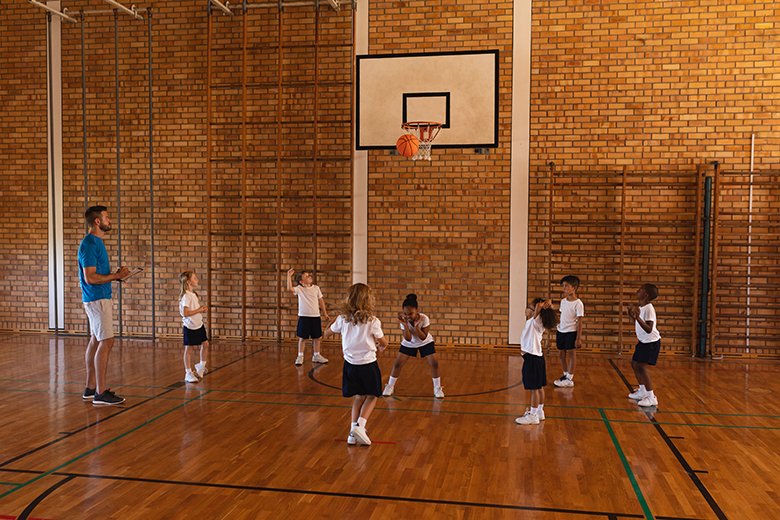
[308, 300]
[647, 313]
[570, 311]
[190, 300]
[357, 340]
[416, 342]
[531, 338]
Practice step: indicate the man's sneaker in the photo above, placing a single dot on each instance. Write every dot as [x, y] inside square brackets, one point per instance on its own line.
[190, 377]
[528, 418]
[388, 391]
[319, 358]
[89, 394]
[351, 440]
[563, 383]
[200, 369]
[649, 400]
[540, 415]
[107, 398]
[438, 393]
[299, 360]
[638, 394]
[361, 435]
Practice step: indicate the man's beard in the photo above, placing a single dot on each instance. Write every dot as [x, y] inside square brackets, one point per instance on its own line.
[104, 227]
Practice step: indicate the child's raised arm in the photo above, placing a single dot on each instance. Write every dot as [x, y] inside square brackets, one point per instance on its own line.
[290, 274]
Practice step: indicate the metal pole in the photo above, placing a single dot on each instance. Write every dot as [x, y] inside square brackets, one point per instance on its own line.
[622, 259]
[279, 185]
[551, 168]
[315, 148]
[208, 168]
[697, 260]
[151, 171]
[243, 170]
[118, 161]
[749, 244]
[53, 202]
[714, 283]
[84, 112]
[705, 267]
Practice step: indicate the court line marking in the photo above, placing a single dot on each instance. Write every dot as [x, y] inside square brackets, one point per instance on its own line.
[102, 445]
[627, 467]
[40, 498]
[678, 455]
[392, 498]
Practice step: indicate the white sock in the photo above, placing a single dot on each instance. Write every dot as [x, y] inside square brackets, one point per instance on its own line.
[361, 422]
[534, 410]
[391, 381]
[436, 382]
[642, 389]
[569, 375]
[651, 394]
[540, 407]
[566, 374]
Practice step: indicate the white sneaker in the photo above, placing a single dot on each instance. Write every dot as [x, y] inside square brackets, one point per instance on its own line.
[540, 415]
[638, 394]
[361, 435]
[190, 377]
[318, 358]
[299, 360]
[528, 418]
[200, 369]
[351, 439]
[649, 400]
[564, 383]
[438, 393]
[388, 391]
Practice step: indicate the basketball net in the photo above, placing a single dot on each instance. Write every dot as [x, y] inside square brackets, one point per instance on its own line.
[426, 132]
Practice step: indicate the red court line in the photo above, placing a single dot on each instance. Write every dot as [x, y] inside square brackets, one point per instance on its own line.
[9, 517]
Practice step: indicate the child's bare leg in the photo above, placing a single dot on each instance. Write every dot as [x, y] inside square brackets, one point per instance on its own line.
[572, 357]
[368, 406]
[644, 376]
[357, 404]
[187, 358]
[301, 346]
[564, 365]
[315, 343]
[204, 352]
[398, 364]
[434, 364]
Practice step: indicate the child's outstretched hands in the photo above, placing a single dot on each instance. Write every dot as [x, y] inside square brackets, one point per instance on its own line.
[290, 273]
[547, 304]
[633, 311]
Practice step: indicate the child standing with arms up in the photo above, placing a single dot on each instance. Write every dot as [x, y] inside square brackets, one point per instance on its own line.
[415, 327]
[194, 330]
[568, 337]
[310, 303]
[361, 334]
[649, 345]
[539, 316]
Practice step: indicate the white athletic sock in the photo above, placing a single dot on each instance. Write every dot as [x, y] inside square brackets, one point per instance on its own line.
[391, 381]
[534, 410]
[540, 407]
[570, 376]
[436, 382]
[566, 374]
[642, 389]
[651, 394]
[361, 422]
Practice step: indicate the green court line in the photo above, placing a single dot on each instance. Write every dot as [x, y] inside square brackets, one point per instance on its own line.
[627, 467]
[96, 448]
[9, 483]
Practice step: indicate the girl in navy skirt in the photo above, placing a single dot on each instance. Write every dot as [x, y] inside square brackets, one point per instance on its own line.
[361, 335]
[194, 330]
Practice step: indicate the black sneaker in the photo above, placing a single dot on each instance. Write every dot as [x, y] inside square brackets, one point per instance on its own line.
[107, 398]
[89, 394]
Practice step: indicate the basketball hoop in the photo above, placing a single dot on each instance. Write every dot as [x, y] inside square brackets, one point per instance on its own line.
[426, 131]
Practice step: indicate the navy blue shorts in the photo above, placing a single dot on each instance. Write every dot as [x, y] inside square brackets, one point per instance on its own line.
[195, 337]
[309, 327]
[566, 340]
[361, 380]
[425, 350]
[534, 372]
[647, 352]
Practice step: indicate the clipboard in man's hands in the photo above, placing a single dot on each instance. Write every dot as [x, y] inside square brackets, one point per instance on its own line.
[133, 271]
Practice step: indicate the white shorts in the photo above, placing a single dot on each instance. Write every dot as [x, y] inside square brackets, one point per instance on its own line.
[101, 318]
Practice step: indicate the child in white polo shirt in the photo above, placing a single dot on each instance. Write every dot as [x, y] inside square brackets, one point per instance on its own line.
[310, 303]
[648, 346]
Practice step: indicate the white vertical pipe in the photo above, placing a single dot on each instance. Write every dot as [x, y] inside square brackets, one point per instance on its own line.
[750, 243]
[519, 169]
[360, 169]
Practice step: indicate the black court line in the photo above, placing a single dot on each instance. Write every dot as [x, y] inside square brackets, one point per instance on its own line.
[496, 391]
[390, 498]
[29, 509]
[170, 388]
[680, 458]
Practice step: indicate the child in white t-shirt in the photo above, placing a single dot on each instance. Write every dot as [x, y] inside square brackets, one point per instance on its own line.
[310, 303]
[415, 327]
[539, 316]
[194, 331]
[648, 346]
[568, 337]
[361, 335]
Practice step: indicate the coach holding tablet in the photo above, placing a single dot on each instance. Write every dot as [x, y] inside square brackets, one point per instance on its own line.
[95, 278]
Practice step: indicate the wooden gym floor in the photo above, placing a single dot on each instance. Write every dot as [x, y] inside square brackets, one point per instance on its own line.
[261, 438]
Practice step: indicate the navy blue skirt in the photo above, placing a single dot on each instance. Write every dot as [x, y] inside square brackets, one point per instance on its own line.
[361, 380]
[195, 337]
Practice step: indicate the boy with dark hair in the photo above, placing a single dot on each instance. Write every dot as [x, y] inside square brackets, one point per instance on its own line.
[648, 346]
[568, 337]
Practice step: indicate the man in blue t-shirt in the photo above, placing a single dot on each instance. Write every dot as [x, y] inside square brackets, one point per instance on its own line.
[95, 278]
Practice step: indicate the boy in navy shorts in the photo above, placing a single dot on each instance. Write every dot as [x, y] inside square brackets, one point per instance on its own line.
[568, 337]
[649, 345]
[310, 304]
[539, 316]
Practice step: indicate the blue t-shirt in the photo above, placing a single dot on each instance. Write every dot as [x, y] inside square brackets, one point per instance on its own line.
[92, 253]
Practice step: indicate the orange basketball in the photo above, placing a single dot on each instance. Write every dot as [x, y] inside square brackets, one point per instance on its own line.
[407, 145]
